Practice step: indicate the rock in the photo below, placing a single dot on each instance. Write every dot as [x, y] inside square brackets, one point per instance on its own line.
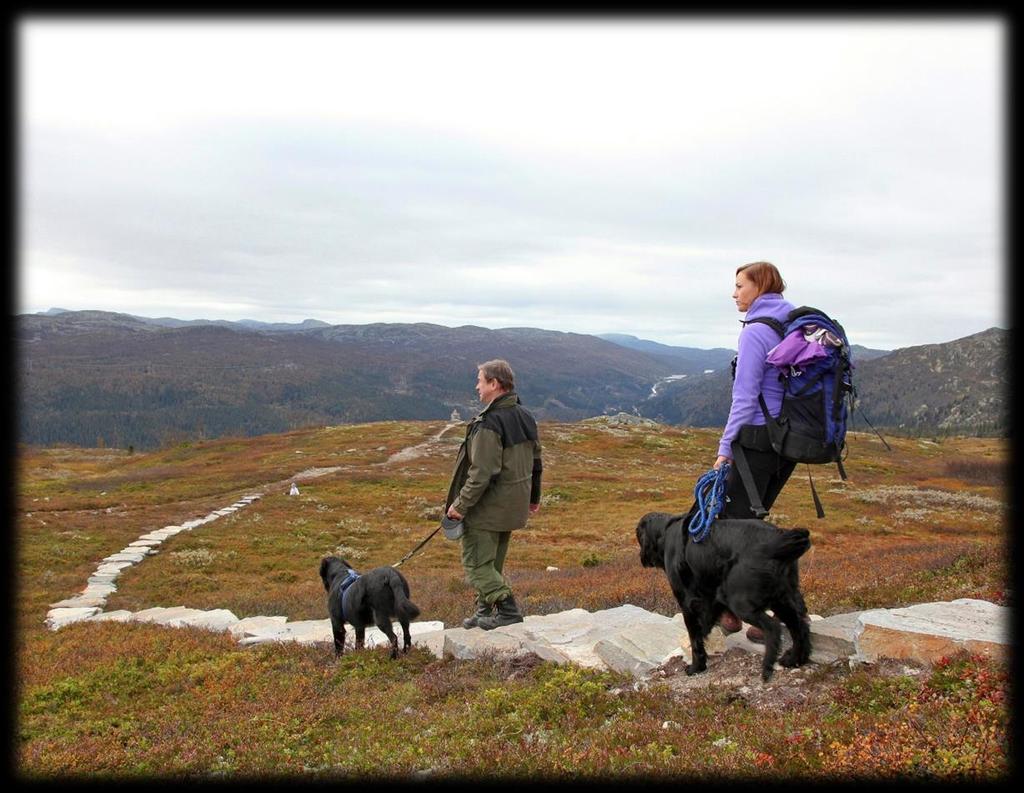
[319, 632]
[571, 635]
[621, 418]
[638, 650]
[832, 637]
[214, 620]
[550, 569]
[58, 618]
[469, 643]
[112, 616]
[375, 637]
[928, 631]
[80, 601]
[257, 626]
[309, 632]
[98, 590]
[132, 558]
[144, 543]
[431, 640]
[161, 615]
[112, 567]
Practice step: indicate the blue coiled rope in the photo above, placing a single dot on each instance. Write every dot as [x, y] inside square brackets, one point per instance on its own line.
[710, 497]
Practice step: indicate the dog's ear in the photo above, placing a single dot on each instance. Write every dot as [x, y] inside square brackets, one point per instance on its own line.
[325, 570]
[648, 540]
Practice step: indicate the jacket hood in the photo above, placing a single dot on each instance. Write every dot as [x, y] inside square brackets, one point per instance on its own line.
[770, 304]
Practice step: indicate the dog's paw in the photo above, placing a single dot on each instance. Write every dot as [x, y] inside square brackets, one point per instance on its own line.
[766, 673]
[693, 669]
[789, 659]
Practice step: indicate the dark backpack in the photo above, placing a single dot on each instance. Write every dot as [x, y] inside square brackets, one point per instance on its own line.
[815, 368]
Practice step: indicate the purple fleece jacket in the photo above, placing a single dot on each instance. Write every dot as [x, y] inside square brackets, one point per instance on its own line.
[753, 374]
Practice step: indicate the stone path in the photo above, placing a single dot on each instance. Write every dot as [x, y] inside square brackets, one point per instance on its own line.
[629, 639]
[100, 585]
[88, 604]
[626, 638]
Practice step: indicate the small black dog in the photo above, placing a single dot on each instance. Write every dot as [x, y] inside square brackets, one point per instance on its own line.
[375, 596]
[745, 565]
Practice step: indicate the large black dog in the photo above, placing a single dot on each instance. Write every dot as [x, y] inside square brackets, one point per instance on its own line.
[375, 596]
[744, 565]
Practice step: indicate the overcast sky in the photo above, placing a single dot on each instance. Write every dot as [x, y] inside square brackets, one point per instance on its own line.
[588, 176]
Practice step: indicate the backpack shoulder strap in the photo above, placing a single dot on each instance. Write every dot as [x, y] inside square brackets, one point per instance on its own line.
[774, 324]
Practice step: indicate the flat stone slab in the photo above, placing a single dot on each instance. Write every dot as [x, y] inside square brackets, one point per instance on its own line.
[642, 648]
[928, 631]
[98, 590]
[431, 640]
[108, 566]
[144, 543]
[628, 635]
[214, 620]
[80, 601]
[58, 618]
[832, 638]
[257, 626]
[132, 558]
[112, 616]
[162, 615]
[319, 632]
[464, 644]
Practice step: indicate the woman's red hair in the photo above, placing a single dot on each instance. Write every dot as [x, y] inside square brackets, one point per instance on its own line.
[765, 276]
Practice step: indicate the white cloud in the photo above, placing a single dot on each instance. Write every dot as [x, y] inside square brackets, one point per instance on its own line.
[589, 176]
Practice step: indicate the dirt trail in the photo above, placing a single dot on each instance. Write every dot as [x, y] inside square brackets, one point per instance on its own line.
[420, 449]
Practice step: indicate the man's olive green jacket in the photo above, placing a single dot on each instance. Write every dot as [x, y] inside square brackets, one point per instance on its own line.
[498, 470]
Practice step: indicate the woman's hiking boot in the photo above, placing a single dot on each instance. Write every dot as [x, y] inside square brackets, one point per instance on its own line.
[508, 614]
[482, 610]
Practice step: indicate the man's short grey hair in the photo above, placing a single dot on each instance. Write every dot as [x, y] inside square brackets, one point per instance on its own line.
[499, 370]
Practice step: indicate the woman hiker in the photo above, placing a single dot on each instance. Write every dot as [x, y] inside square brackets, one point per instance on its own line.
[758, 293]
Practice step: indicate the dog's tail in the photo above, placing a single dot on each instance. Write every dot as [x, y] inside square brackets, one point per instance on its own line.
[789, 545]
[404, 607]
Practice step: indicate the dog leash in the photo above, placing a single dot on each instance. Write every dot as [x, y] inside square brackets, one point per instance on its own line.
[710, 497]
[402, 561]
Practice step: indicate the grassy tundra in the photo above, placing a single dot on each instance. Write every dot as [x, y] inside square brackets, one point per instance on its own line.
[927, 521]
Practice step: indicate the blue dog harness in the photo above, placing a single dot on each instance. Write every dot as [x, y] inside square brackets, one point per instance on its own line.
[710, 497]
[350, 579]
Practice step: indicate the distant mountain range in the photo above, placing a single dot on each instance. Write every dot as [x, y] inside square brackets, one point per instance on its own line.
[89, 377]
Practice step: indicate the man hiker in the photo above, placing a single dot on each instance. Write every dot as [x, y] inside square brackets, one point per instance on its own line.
[495, 488]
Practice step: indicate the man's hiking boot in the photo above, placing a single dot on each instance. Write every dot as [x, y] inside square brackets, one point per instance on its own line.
[508, 614]
[482, 610]
[729, 622]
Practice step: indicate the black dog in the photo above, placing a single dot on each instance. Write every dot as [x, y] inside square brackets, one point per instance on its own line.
[745, 565]
[375, 597]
